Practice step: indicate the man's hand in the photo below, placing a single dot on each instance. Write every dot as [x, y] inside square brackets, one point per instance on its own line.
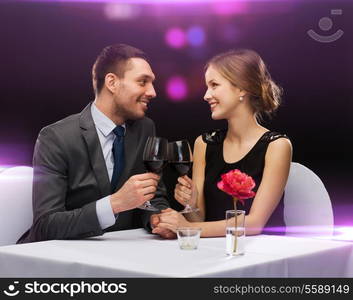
[163, 232]
[136, 190]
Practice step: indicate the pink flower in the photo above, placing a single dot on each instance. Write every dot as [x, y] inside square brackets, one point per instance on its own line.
[237, 184]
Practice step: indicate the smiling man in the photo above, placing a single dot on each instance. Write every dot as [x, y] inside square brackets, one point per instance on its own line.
[89, 176]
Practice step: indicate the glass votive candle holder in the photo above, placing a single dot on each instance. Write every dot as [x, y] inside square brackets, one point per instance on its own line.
[188, 237]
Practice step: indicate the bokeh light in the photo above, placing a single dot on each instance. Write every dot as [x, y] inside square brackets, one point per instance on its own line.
[177, 88]
[229, 8]
[344, 233]
[121, 11]
[137, 1]
[175, 37]
[196, 36]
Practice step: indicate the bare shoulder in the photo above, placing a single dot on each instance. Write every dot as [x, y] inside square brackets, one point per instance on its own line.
[280, 147]
[199, 150]
[281, 144]
[199, 141]
[200, 145]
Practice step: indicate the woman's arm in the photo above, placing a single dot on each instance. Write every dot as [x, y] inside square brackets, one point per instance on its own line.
[191, 191]
[277, 163]
[171, 220]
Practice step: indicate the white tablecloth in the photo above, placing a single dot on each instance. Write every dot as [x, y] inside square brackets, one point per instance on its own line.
[134, 253]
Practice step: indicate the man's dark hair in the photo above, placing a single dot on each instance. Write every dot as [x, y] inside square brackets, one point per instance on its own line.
[113, 59]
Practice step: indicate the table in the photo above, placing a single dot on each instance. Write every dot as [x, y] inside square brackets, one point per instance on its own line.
[135, 253]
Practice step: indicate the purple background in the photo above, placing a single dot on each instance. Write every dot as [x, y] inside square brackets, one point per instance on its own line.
[47, 51]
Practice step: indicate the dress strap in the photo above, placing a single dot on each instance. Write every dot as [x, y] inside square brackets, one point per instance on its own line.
[214, 137]
[271, 136]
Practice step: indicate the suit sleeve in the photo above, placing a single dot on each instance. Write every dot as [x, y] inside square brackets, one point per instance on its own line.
[160, 200]
[51, 220]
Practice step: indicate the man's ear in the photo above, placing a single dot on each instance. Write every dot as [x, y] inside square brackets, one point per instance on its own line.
[112, 82]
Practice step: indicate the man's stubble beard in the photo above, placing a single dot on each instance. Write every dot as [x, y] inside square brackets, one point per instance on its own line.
[126, 114]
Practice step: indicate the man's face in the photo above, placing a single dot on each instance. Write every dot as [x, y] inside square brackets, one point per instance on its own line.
[135, 90]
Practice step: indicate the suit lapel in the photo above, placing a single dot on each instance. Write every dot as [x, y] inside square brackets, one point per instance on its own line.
[130, 144]
[94, 149]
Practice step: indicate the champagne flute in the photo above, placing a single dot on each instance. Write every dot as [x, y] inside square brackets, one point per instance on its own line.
[180, 157]
[155, 157]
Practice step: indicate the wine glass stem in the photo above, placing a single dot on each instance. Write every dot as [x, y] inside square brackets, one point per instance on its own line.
[187, 203]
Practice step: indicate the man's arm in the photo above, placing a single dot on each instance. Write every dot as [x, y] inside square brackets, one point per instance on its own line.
[50, 185]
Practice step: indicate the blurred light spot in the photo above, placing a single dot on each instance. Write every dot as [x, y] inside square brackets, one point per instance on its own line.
[344, 233]
[175, 37]
[196, 36]
[177, 88]
[12, 173]
[121, 11]
[229, 8]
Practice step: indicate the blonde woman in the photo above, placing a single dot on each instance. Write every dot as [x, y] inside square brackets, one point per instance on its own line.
[239, 90]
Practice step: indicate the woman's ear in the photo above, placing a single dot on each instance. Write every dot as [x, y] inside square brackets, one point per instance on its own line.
[242, 93]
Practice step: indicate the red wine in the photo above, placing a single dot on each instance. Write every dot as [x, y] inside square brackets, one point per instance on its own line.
[182, 167]
[155, 166]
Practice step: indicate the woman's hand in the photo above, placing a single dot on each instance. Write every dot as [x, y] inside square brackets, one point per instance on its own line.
[162, 232]
[171, 220]
[185, 191]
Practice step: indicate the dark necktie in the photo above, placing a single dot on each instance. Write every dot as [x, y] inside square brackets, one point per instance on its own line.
[118, 154]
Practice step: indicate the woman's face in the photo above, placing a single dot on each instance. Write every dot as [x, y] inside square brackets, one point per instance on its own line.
[221, 95]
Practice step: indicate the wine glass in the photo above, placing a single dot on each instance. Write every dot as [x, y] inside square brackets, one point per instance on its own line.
[180, 157]
[155, 157]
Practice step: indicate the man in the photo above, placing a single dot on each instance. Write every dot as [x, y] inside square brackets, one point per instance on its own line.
[89, 176]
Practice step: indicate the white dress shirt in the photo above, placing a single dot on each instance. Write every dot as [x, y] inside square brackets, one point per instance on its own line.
[104, 127]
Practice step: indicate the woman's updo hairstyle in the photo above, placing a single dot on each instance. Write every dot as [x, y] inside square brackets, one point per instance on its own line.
[246, 70]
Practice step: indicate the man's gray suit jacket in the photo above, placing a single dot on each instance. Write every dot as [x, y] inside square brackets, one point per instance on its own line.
[70, 175]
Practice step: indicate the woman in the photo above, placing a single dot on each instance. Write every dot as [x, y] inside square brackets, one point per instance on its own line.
[239, 90]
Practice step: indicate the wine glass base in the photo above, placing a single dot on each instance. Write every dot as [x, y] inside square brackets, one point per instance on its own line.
[187, 210]
[148, 207]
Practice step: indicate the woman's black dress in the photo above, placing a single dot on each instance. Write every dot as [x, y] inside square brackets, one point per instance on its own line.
[217, 201]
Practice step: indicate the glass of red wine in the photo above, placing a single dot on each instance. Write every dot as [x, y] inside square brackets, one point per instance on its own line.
[180, 157]
[155, 157]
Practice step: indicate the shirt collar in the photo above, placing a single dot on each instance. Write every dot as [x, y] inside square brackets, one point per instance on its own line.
[102, 122]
